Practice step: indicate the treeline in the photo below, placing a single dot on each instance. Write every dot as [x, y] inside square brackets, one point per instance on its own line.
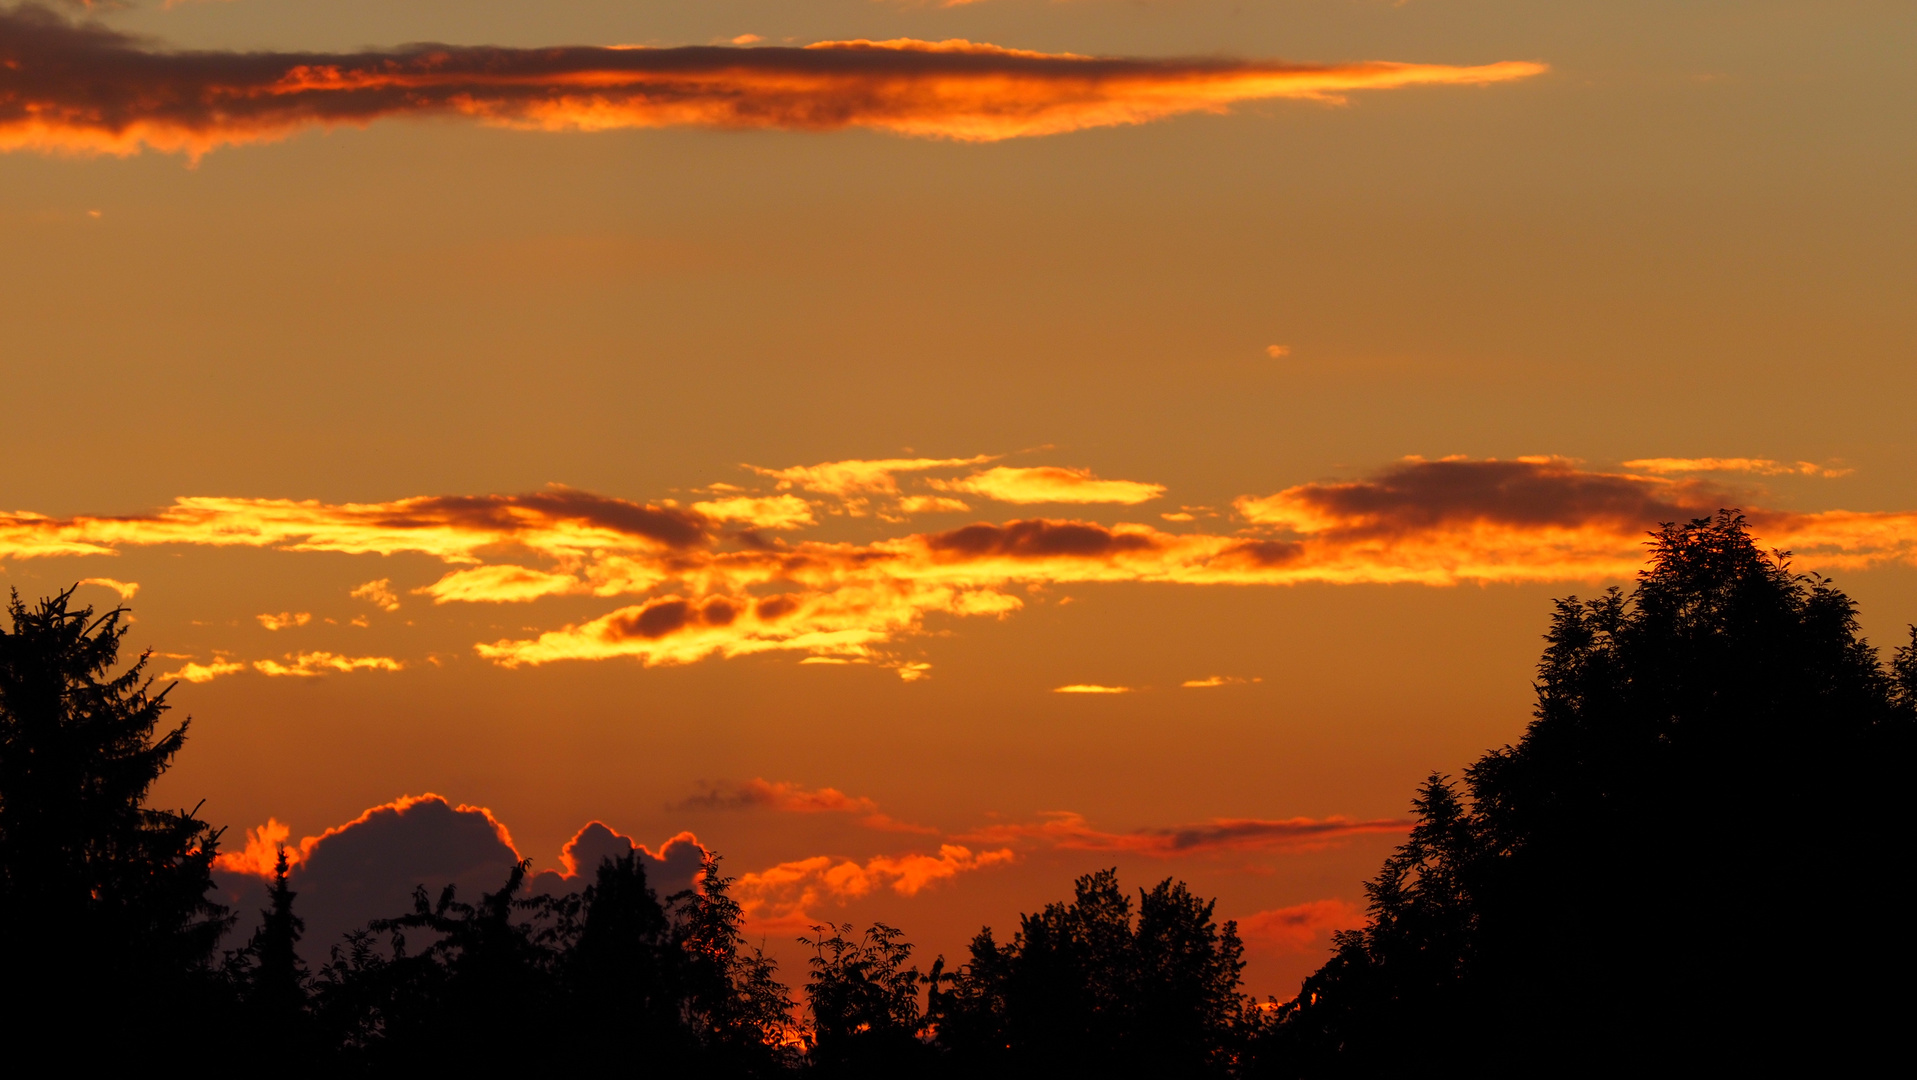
[1692, 859]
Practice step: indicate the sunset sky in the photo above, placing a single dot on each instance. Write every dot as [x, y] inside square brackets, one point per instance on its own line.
[923, 451]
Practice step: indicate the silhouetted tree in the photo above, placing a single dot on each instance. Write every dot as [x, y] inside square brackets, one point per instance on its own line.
[1714, 759]
[271, 978]
[623, 974]
[1081, 990]
[103, 900]
[864, 1001]
[733, 1003]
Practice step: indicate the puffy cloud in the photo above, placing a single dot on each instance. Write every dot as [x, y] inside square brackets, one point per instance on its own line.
[771, 512]
[672, 869]
[126, 589]
[378, 593]
[1051, 484]
[80, 87]
[1757, 466]
[368, 867]
[1090, 688]
[930, 504]
[285, 619]
[1070, 831]
[788, 797]
[310, 664]
[1300, 927]
[785, 897]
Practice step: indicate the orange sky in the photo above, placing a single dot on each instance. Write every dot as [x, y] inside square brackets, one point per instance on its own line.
[737, 423]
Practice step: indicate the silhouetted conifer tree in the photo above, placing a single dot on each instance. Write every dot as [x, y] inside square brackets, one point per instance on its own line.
[103, 906]
[271, 978]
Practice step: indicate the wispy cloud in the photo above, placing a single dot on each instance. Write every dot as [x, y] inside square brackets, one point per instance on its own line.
[787, 797]
[309, 664]
[202, 673]
[1300, 927]
[80, 87]
[285, 619]
[378, 593]
[1755, 466]
[1070, 831]
[126, 589]
[1090, 688]
[786, 897]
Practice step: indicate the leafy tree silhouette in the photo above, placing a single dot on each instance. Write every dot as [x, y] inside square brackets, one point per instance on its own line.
[864, 1001]
[103, 900]
[1713, 760]
[1082, 990]
[621, 976]
[734, 1003]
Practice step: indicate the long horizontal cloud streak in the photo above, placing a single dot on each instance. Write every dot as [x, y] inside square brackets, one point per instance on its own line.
[82, 87]
[701, 591]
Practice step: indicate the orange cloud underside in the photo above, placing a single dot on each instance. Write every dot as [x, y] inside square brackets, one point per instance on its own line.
[82, 88]
[701, 588]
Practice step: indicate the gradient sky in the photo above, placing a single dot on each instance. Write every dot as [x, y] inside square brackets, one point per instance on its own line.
[463, 451]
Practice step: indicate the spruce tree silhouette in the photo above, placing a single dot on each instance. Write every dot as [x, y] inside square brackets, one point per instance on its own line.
[271, 978]
[1637, 883]
[104, 915]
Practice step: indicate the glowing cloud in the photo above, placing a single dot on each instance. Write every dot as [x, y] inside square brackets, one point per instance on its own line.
[84, 88]
[378, 593]
[285, 619]
[783, 897]
[201, 673]
[498, 584]
[1090, 688]
[775, 512]
[1215, 680]
[1756, 466]
[1051, 484]
[126, 589]
[310, 664]
[860, 477]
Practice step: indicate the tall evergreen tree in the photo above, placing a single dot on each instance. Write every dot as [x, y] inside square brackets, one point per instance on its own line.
[103, 899]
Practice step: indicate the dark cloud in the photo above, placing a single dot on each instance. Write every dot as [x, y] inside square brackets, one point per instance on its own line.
[672, 870]
[1037, 539]
[507, 513]
[83, 87]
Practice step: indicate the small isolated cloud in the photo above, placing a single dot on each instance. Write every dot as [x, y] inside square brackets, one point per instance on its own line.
[285, 619]
[788, 797]
[746, 39]
[308, 664]
[1277, 352]
[1216, 680]
[1755, 466]
[1300, 927]
[379, 593]
[1050, 484]
[126, 589]
[1180, 516]
[772, 512]
[199, 673]
[1090, 688]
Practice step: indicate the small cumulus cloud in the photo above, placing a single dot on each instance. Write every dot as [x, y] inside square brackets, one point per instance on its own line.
[786, 897]
[931, 504]
[1277, 352]
[285, 619]
[1091, 688]
[772, 512]
[378, 593]
[746, 39]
